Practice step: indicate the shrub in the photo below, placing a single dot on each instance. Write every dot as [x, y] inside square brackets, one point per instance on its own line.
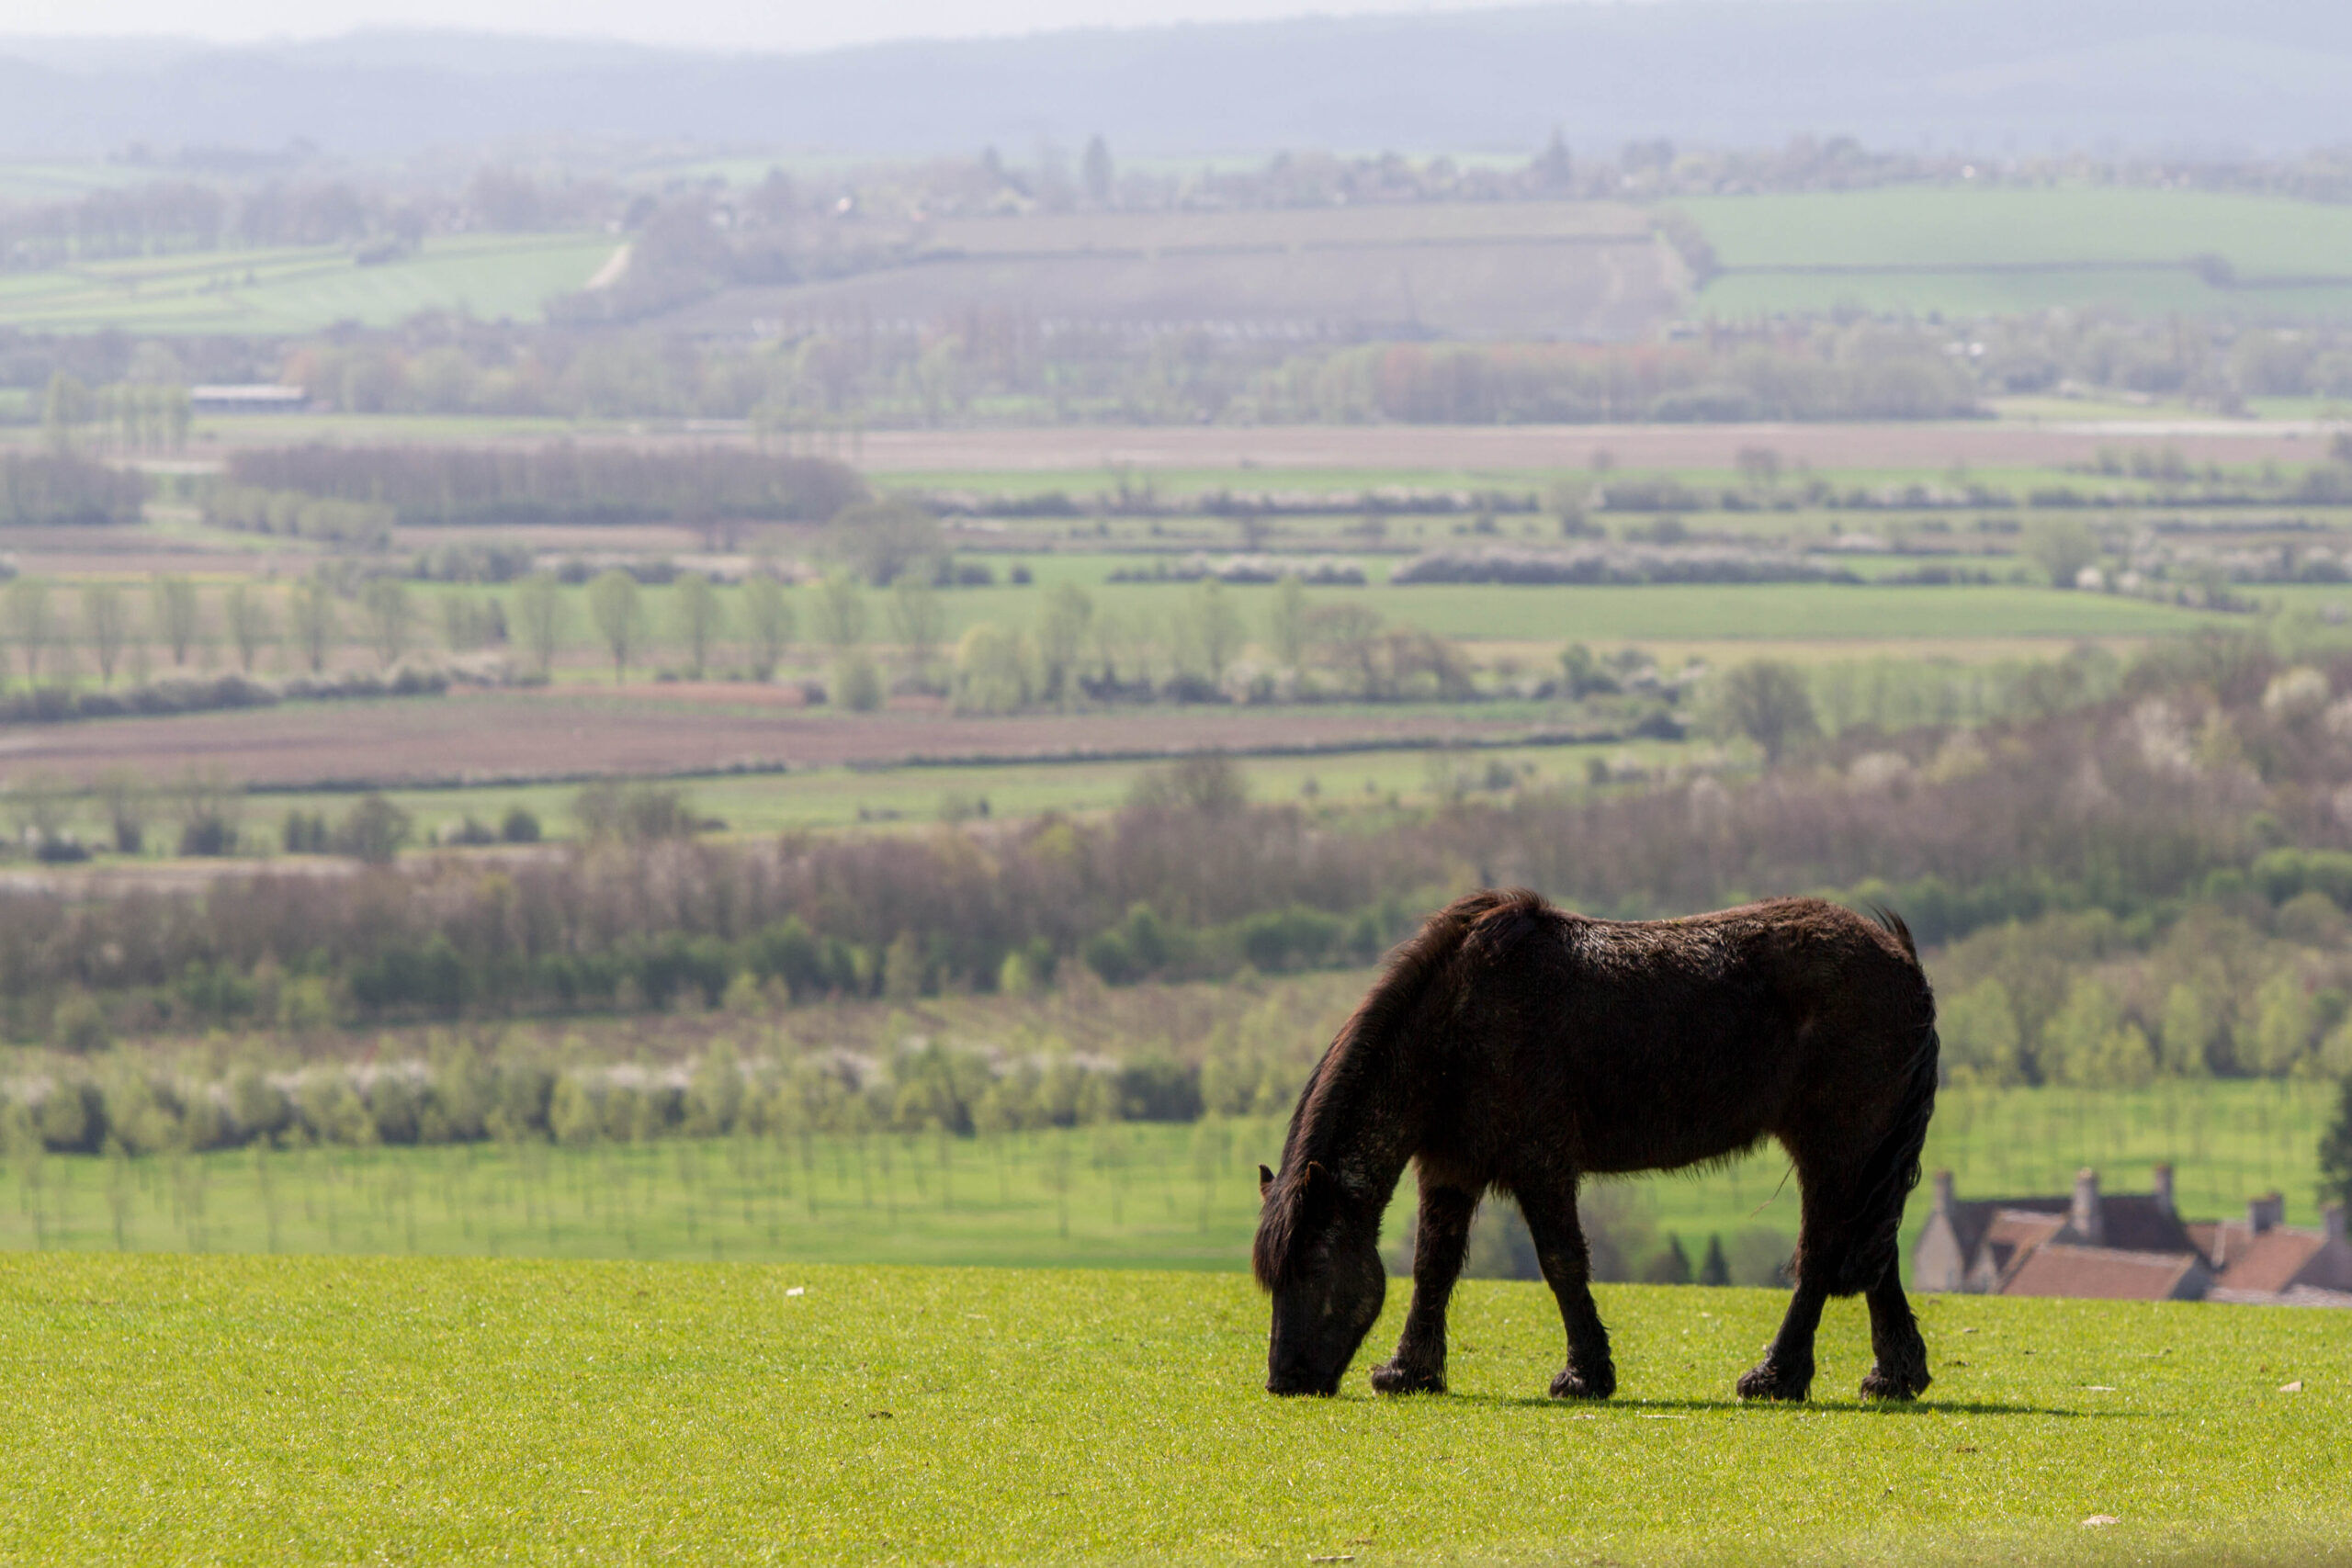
[373, 831]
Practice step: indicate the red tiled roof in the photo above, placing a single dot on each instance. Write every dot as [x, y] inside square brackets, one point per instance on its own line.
[2013, 1235]
[2270, 1261]
[2101, 1272]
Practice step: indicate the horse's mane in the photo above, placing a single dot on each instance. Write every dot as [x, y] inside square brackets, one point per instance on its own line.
[1892, 923]
[1480, 928]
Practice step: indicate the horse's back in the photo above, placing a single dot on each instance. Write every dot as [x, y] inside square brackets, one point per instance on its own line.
[1653, 1044]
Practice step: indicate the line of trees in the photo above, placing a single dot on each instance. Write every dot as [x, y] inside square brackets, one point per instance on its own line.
[50, 635]
[986, 365]
[564, 482]
[53, 489]
[2159, 800]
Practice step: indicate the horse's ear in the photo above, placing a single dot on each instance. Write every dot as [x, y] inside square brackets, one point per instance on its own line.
[1265, 1183]
[1315, 1176]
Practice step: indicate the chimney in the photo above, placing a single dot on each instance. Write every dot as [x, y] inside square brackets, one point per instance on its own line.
[2163, 1191]
[1943, 1193]
[2087, 1223]
[2332, 1217]
[2265, 1213]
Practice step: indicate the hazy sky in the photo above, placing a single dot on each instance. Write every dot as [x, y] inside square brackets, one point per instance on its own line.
[709, 23]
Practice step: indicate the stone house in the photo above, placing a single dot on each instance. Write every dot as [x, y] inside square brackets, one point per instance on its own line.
[2128, 1246]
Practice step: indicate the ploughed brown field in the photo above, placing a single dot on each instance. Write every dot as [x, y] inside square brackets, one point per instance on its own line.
[572, 731]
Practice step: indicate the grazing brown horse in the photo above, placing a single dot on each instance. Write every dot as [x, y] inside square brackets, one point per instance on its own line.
[1515, 1046]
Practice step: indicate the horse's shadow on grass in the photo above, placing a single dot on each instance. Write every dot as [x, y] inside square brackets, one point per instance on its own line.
[1911, 1410]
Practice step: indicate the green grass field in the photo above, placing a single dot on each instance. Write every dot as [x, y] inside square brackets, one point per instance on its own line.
[1966, 251]
[1859, 613]
[1134, 1195]
[271, 1409]
[1857, 618]
[840, 797]
[302, 290]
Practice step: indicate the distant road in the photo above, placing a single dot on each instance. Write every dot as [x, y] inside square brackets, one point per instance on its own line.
[1984, 443]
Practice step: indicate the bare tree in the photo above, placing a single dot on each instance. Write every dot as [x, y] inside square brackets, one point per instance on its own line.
[249, 623]
[841, 612]
[1216, 626]
[106, 621]
[619, 613]
[918, 621]
[1286, 622]
[699, 617]
[316, 623]
[770, 613]
[1061, 638]
[385, 602]
[178, 616]
[1347, 637]
[538, 605]
[32, 623]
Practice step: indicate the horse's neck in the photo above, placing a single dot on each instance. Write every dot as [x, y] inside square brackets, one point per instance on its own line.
[1356, 1136]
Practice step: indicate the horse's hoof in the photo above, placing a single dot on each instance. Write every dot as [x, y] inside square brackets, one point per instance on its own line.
[1769, 1381]
[1903, 1386]
[1394, 1376]
[1574, 1385]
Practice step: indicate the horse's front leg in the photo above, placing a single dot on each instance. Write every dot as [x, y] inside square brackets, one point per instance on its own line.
[1551, 1211]
[1441, 1240]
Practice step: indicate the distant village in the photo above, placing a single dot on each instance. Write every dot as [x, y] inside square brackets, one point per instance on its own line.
[2130, 1247]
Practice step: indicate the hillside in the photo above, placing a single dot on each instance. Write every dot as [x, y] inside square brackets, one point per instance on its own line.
[342, 1409]
[1588, 271]
[1994, 74]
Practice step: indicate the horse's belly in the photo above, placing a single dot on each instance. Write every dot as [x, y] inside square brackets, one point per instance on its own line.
[1619, 1150]
[1629, 1115]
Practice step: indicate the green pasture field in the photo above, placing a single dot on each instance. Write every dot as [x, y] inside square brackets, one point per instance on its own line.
[1863, 615]
[256, 1409]
[844, 797]
[35, 183]
[1965, 292]
[302, 290]
[1862, 612]
[1970, 250]
[1125, 1194]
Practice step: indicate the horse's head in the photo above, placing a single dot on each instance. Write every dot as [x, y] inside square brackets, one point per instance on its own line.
[1318, 1254]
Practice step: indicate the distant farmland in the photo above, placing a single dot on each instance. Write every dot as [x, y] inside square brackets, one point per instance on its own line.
[303, 289]
[1574, 270]
[1964, 251]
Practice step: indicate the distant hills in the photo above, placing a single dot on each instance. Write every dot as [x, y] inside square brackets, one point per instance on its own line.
[1992, 75]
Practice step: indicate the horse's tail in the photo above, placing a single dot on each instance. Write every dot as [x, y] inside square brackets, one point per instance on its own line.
[1481, 927]
[1892, 1169]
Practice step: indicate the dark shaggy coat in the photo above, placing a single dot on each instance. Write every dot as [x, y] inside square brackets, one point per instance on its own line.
[1515, 1046]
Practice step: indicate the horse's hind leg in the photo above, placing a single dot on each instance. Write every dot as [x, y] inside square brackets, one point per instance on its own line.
[1441, 1240]
[1901, 1372]
[1551, 1211]
[1831, 1249]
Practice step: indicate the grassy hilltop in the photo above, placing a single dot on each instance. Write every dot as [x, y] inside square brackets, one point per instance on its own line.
[251, 1409]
